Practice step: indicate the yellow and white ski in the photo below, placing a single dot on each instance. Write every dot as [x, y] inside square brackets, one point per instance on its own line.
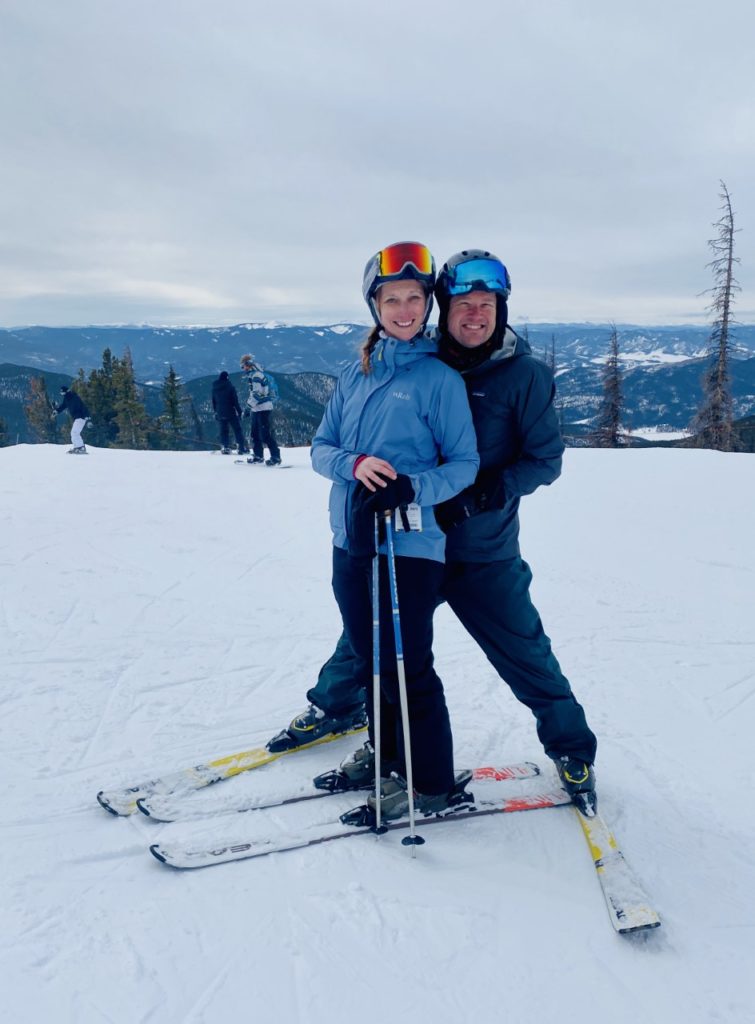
[629, 906]
[123, 801]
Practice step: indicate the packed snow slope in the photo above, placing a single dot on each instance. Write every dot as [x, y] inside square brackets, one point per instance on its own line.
[159, 609]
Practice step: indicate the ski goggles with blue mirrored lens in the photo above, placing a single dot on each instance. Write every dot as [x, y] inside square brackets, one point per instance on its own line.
[394, 259]
[482, 274]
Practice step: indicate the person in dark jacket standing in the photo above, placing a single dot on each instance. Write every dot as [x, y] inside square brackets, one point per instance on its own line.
[486, 582]
[225, 405]
[71, 403]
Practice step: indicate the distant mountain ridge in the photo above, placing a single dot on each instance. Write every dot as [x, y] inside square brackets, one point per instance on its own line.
[201, 351]
[193, 352]
[662, 367]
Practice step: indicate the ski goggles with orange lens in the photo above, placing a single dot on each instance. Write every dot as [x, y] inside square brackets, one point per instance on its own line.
[481, 274]
[395, 258]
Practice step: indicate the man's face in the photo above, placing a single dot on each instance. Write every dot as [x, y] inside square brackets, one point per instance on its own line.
[471, 318]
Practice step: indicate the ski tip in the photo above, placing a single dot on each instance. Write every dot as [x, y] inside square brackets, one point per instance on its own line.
[141, 805]
[157, 853]
[102, 800]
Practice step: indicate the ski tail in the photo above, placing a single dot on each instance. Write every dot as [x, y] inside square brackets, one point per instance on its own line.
[628, 904]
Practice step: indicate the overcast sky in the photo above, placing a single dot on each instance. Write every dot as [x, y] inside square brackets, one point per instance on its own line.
[188, 161]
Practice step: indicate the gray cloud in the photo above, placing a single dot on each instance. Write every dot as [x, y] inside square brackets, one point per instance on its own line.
[184, 162]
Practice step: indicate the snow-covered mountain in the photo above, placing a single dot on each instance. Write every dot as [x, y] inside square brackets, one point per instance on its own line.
[198, 351]
[161, 608]
[192, 351]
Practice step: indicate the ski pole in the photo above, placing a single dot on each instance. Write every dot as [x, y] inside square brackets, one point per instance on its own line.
[412, 839]
[376, 669]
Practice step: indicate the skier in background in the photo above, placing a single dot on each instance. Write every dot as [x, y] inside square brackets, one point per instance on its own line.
[72, 404]
[225, 404]
[486, 581]
[260, 408]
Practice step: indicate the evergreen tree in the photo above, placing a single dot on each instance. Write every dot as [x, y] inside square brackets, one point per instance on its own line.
[712, 426]
[38, 410]
[4, 439]
[172, 420]
[99, 397]
[608, 422]
[130, 415]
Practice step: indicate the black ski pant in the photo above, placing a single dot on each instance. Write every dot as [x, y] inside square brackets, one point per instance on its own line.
[492, 601]
[418, 581]
[262, 434]
[232, 422]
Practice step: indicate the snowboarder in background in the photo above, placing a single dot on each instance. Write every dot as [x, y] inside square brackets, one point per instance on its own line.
[71, 403]
[486, 582]
[225, 404]
[260, 408]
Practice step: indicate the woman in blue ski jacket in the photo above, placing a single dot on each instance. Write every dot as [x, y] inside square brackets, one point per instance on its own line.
[397, 436]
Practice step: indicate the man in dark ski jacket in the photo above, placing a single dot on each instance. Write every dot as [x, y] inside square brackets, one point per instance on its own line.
[486, 582]
[71, 403]
[225, 405]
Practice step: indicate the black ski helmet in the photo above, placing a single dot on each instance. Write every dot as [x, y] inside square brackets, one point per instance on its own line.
[474, 270]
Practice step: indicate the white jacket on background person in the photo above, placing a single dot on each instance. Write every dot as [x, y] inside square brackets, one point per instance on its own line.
[260, 398]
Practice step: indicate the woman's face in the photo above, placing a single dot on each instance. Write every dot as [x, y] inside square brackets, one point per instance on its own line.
[401, 308]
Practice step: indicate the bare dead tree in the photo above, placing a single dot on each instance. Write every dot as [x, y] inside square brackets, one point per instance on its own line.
[712, 426]
[608, 422]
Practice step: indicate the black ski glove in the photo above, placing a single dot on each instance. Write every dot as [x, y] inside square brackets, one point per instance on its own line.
[396, 492]
[489, 489]
[365, 504]
[456, 510]
[484, 495]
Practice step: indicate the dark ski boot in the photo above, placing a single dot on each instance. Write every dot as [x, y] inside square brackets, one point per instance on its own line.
[578, 779]
[315, 724]
[394, 802]
[357, 771]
